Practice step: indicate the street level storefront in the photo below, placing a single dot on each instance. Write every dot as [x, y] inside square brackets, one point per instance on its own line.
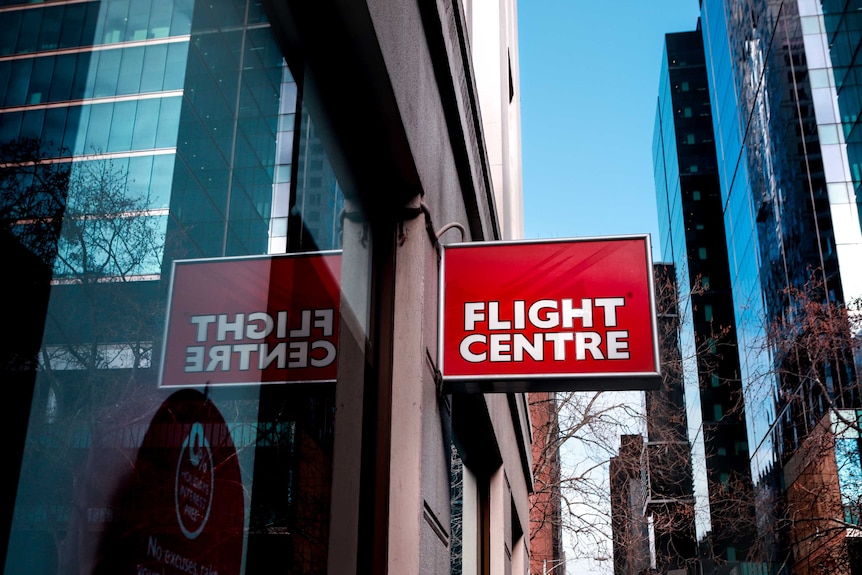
[141, 140]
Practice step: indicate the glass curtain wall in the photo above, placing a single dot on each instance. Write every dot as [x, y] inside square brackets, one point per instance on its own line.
[134, 135]
[721, 39]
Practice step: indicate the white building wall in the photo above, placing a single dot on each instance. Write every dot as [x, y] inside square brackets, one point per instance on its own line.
[836, 165]
[494, 43]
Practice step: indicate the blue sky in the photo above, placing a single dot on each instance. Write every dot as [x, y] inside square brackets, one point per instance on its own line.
[589, 84]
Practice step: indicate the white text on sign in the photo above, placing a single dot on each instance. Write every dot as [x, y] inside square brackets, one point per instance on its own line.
[582, 331]
[244, 350]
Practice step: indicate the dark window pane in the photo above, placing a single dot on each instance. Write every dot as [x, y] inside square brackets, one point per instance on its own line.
[63, 78]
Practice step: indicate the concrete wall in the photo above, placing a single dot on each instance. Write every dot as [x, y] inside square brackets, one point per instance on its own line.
[395, 86]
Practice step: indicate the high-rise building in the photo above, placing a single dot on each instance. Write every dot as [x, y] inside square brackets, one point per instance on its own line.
[781, 93]
[688, 202]
[138, 134]
[787, 188]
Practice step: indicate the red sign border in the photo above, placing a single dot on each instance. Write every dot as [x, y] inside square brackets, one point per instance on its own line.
[520, 383]
[168, 310]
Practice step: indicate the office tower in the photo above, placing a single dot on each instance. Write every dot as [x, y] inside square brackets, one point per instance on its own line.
[142, 138]
[781, 89]
[692, 238]
[782, 147]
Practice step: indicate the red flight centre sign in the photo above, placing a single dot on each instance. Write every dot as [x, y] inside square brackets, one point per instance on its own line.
[253, 320]
[549, 315]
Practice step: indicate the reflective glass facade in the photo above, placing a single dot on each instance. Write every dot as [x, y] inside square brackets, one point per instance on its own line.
[786, 183]
[786, 162]
[668, 184]
[135, 134]
[692, 235]
[721, 39]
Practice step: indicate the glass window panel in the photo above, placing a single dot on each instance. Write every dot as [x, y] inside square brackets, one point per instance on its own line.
[108, 73]
[839, 192]
[845, 222]
[819, 78]
[287, 105]
[50, 35]
[279, 227]
[40, 80]
[284, 146]
[808, 7]
[823, 106]
[31, 126]
[55, 124]
[814, 52]
[286, 122]
[16, 92]
[168, 122]
[5, 72]
[282, 174]
[152, 77]
[28, 38]
[175, 67]
[63, 78]
[10, 23]
[256, 13]
[72, 25]
[129, 79]
[810, 24]
[138, 180]
[84, 73]
[91, 22]
[144, 134]
[138, 20]
[98, 128]
[123, 123]
[182, 15]
[160, 181]
[281, 200]
[115, 20]
[834, 163]
[160, 17]
[828, 133]
[277, 245]
[10, 125]
[72, 133]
